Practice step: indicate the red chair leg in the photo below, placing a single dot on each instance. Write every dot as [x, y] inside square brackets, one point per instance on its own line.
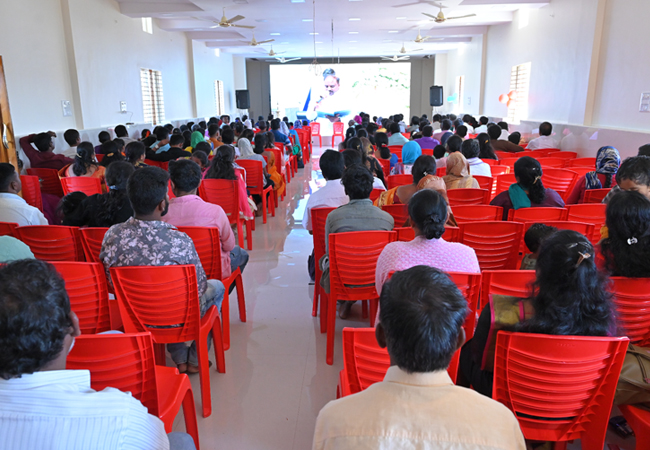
[374, 303]
[331, 317]
[263, 208]
[225, 314]
[273, 202]
[324, 307]
[204, 374]
[314, 307]
[241, 300]
[364, 309]
[217, 342]
[240, 233]
[250, 226]
[159, 354]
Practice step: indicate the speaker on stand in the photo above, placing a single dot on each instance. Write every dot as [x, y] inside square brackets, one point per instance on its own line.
[243, 99]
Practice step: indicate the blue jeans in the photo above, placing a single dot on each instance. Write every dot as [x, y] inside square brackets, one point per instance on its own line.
[180, 441]
[238, 258]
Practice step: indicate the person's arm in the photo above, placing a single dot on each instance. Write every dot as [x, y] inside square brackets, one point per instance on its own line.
[578, 193]
[381, 272]
[26, 145]
[306, 218]
[503, 200]
[226, 235]
[143, 430]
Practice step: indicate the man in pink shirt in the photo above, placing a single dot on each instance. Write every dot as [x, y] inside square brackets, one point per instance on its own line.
[189, 210]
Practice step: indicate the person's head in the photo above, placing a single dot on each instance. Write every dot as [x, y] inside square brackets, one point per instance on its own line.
[394, 128]
[117, 175]
[275, 124]
[607, 162]
[454, 143]
[437, 117]
[9, 179]
[486, 149]
[185, 176]
[176, 140]
[410, 152]
[259, 146]
[535, 235]
[362, 133]
[545, 129]
[145, 133]
[351, 157]
[238, 128]
[423, 166]
[515, 137]
[72, 137]
[483, 120]
[503, 125]
[107, 148]
[428, 212]
[421, 319]
[147, 192]
[461, 131]
[104, 136]
[119, 143]
[528, 173]
[120, 131]
[445, 125]
[570, 296]
[201, 158]
[332, 165]
[644, 150]
[227, 136]
[331, 82]
[134, 152]
[202, 147]
[114, 153]
[627, 248]
[427, 131]
[38, 326]
[470, 148]
[494, 131]
[357, 181]
[162, 134]
[262, 126]
[457, 123]
[213, 130]
[169, 127]
[415, 121]
[439, 151]
[84, 158]
[44, 142]
[221, 167]
[270, 140]
[225, 119]
[634, 175]
[354, 144]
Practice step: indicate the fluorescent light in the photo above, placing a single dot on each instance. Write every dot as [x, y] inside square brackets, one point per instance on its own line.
[297, 1]
[275, 34]
[393, 31]
[307, 20]
[353, 32]
[400, 18]
[354, 19]
[217, 52]
[318, 42]
[353, 42]
[314, 34]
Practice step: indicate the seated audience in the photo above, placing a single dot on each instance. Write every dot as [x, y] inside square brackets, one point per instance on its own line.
[504, 131]
[277, 134]
[429, 212]
[13, 208]
[545, 140]
[422, 313]
[414, 126]
[381, 139]
[396, 137]
[410, 152]
[12, 249]
[333, 193]
[72, 138]
[453, 144]
[174, 150]
[43, 157]
[445, 132]
[214, 139]
[246, 148]
[122, 133]
[135, 154]
[569, 298]
[632, 175]
[162, 140]
[103, 136]
[461, 131]
[483, 125]
[356, 155]
[529, 189]
[494, 131]
[486, 149]
[427, 141]
[627, 247]
[607, 162]
[197, 137]
[458, 176]
[471, 149]
[515, 138]
[145, 240]
[85, 164]
[201, 158]
[114, 152]
[222, 168]
[274, 170]
[187, 209]
[533, 239]
[439, 153]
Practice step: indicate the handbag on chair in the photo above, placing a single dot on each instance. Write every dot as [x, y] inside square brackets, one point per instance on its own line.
[634, 383]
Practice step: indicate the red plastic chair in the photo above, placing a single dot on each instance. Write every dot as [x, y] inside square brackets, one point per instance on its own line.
[509, 162]
[32, 191]
[254, 180]
[505, 155]
[538, 214]
[161, 296]
[484, 182]
[589, 213]
[405, 234]
[512, 283]
[126, 362]
[308, 134]
[279, 156]
[87, 185]
[225, 193]
[338, 131]
[394, 181]
[543, 153]
[585, 229]
[163, 165]
[560, 388]
[639, 421]
[632, 303]
[208, 246]
[88, 292]
[99, 157]
[466, 197]
[385, 166]
[499, 170]
[427, 151]
[399, 212]
[490, 162]
[52, 242]
[50, 181]
[551, 162]
[451, 234]
[582, 162]
[562, 154]
[353, 260]
[91, 240]
[596, 195]
[441, 172]
[315, 132]
[375, 193]
[397, 150]
[560, 180]
[318, 219]
[496, 243]
[474, 213]
[470, 285]
[8, 229]
[503, 183]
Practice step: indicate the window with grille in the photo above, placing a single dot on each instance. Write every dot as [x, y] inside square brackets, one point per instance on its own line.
[147, 25]
[218, 97]
[519, 82]
[152, 96]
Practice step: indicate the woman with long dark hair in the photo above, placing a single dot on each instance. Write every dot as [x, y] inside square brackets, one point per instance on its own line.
[85, 164]
[529, 189]
[487, 151]
[222, 168]
[381, 140]
[135, 154]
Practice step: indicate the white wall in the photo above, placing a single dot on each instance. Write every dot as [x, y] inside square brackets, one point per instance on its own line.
[465, 61]
[207, 68]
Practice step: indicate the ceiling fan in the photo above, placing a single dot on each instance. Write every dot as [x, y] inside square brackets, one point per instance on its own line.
[271, 53]
[255, 43]
[395, 58]
[420, 39]
[282, 60]
[225, 22]
[440, 17]
[403, 52]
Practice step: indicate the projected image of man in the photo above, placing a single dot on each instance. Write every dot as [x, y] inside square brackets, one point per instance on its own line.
[331, 103]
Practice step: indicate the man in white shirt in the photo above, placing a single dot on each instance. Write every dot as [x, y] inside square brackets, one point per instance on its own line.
[122, 133]
[417, 405]
[333, 193]
[504, 131]
[470, 150]
[44, 406]
[396, 137]
[13, 208]
[484, 125]
[544, 140]
[73, 139]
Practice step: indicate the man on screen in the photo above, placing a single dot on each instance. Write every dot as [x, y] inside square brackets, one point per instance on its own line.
[330, 102]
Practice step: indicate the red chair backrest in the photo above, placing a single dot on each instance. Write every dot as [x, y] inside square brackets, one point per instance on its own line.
[208, 246]
[585, 229]
[353, 261]
[589, 213]
[473, 213]
[399, 213]
[52, 242]
[632, 302]
[91, 240]
[451, 234]
[338, 128]
[542, 153]
[427, 151]
[496, 243]
[551, 162]
[32, 191]
[122, 361]
[538, 214]
[468, 197]
[375, 193]
[510, 162]
[99, 157]
[470, 285]
[278, 159]
[88, 292]
[87, 185]
[315, 128]
[560, 180]
[279, 145]
[505, 155]
[50, 181]
[490, 162]
[224, 193]
[394, 181]
[385, 167]
[176, 302]
[318, 219]
[397, 149]
[404, 234]
[596, 195]
[8, 229]
[511, 283]
[503, 182]
[563, 155]
[441, 172]
[254, 175]
[499, 170]
[580, 171]
[560, 388]
[582, 162]
[484, 182]
[163, 165]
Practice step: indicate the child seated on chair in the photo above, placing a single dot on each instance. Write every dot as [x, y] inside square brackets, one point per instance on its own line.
[533, 240]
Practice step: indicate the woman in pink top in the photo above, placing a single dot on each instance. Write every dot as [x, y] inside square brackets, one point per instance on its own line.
[428, 212]
[222, 168]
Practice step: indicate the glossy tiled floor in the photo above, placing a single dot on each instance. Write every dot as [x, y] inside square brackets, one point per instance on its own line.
[276, 378]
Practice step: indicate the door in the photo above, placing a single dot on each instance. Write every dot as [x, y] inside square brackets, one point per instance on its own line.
[7, 141]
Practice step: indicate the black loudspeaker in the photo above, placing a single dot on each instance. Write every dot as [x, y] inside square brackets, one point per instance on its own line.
[243, 99]
[435, 95]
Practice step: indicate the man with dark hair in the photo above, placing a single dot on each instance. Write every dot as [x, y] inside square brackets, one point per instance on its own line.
[145, 240]
[483, 127]
[427, 141]
[45, 406]
[470, 150]
[227, 136]
[494, 131]
[333, 193]
[214, 136]
[453, 144]
[504, 131]
[174, 151]
[633, 175]
[225, 120]
[162, 140]
[13, 208]
[277, 134]
[417, 405]
[122, 133]
[644, 150]
[445, 131]
[461, 130]
[545, 140]
[396, 137]
[44, 157]
[187, 209]
[73, 139]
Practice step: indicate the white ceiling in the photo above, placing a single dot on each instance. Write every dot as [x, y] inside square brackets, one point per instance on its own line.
[381, 29]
